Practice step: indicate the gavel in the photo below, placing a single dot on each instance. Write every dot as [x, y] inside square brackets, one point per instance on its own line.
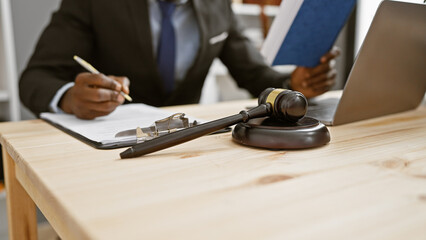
[281, 104]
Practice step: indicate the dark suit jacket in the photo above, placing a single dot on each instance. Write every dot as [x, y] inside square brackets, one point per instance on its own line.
[115, 36]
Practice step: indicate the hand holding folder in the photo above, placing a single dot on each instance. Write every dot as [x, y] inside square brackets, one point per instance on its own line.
[316, 80]
[94, 94]
[302, 34]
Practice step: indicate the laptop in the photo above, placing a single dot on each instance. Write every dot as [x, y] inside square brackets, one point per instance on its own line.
[389, 73]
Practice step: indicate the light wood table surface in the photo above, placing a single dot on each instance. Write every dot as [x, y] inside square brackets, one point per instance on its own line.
[369, 182]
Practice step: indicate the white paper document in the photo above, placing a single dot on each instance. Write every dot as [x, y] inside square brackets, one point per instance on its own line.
[101, 131]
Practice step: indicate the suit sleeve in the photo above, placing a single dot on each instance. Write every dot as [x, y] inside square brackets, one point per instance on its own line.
[245, 63]
[51, 66]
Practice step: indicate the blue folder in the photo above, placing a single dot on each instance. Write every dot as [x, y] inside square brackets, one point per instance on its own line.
[313, 32]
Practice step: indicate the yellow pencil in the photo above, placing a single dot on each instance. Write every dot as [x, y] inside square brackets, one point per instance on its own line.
[93, 70]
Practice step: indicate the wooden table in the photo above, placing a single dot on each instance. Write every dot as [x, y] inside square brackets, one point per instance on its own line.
[368, 183]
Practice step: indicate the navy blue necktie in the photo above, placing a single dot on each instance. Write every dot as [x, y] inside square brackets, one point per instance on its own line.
[166, 54]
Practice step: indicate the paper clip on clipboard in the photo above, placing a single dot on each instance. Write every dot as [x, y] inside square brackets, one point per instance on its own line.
[160, 127]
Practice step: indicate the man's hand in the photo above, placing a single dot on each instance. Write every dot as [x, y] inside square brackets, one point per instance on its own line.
[317, 80]
[94, 95]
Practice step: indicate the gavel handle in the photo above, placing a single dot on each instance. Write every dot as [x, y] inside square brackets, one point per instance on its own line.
[191, 133]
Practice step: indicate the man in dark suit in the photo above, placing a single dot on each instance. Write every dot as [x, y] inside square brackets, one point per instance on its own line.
[164, 47]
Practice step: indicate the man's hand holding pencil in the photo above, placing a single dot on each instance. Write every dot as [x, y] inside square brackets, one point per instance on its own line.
[94, 94]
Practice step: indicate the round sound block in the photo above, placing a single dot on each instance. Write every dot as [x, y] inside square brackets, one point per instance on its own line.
[275, 134]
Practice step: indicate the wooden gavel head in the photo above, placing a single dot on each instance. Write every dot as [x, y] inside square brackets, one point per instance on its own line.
[286, 104]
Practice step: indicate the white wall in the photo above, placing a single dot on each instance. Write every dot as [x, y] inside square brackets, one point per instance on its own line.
[29, 19]
[9, 102]
[365, 13]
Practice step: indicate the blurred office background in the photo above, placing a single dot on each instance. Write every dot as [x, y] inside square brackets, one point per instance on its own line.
[22, 21]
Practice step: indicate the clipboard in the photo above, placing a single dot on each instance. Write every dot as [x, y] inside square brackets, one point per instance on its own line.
[115, 130]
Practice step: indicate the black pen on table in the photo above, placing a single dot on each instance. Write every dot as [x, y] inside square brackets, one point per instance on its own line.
[93, 70]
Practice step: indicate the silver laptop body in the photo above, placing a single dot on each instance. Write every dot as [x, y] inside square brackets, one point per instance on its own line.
[389, 74]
